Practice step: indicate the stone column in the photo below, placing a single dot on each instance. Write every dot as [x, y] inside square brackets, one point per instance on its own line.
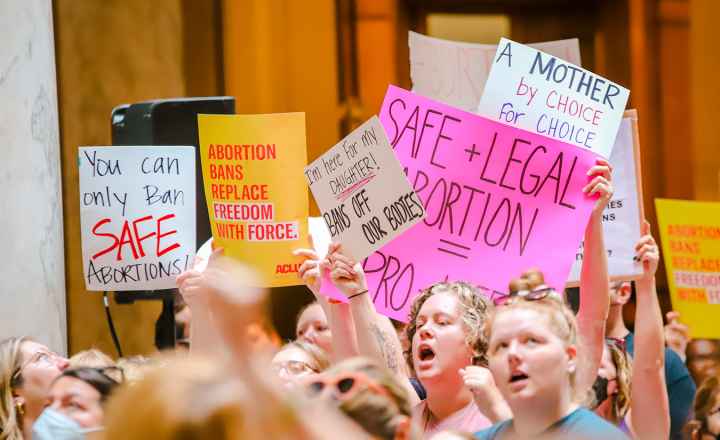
[32, 270]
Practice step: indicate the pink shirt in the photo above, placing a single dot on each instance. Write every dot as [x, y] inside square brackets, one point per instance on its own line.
[467, 419]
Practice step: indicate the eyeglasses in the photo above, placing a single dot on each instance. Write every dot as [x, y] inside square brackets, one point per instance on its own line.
[294, 368]
[40, 357]
[346, 385]
[537, 294]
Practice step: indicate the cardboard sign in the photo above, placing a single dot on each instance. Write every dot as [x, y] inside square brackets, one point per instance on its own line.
[495, 198]
[455, 72]
[623, 216]
[137, 216]
[690, 236]
[255, 189]
[538, 92]
[363, 194]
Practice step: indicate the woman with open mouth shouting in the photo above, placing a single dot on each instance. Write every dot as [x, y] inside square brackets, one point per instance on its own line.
[534, 358]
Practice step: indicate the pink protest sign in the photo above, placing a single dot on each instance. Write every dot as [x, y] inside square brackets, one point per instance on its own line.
[499, 200]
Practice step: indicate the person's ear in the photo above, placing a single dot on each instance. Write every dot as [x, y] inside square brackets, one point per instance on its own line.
[571, 352]
[403, 427]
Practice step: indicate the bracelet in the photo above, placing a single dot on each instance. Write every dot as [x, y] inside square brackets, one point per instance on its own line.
[357, 294]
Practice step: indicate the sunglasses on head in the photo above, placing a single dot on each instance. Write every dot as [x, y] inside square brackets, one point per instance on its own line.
[536, 294]
[345, 385]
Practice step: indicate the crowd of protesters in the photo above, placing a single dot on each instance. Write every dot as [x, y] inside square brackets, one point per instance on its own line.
[524, 365]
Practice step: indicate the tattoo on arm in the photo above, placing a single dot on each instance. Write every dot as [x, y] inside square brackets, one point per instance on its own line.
[387, 348]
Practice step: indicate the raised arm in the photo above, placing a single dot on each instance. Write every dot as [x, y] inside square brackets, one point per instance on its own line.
[649, 406]
[234, 303]
[204, 335]
[594, 280]
[376, 335]
[340, 320]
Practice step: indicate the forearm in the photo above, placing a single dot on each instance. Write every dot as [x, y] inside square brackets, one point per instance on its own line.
[205, 338]
[376, 339]
[594, 299]
[649, 399]
[344, 339]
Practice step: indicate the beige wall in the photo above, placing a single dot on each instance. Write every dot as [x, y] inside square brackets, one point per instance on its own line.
[281, 56]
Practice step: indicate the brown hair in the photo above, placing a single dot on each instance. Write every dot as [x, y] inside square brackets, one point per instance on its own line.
[10, 364]
[705, 399]
[529, 280]
[195, 398]
[475, 308]
[379, 415]
[623, 366]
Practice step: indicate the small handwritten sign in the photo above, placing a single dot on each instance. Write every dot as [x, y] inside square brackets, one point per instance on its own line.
[538, 92]
[363, 194]
[137, 215]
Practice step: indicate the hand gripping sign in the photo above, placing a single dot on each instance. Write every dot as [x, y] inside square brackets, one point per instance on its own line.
[137, 216]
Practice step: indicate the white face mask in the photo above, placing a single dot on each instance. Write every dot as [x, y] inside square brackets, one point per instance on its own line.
[53, 425]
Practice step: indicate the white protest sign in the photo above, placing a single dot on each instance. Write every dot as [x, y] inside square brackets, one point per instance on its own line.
[137, 216]
[541, 93]
[455, 72]
[362, 192]
[622, 219]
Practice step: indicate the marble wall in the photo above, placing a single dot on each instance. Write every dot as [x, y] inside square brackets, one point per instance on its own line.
[32, 269]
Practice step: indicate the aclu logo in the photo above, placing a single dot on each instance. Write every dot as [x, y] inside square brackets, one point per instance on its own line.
[287, 268]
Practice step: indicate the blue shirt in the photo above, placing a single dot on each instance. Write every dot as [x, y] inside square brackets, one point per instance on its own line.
[680, 388]
[581, 424]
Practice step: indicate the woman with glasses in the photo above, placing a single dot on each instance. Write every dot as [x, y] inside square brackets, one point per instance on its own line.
[75, 403]
[27, 369]
[534, 356]
[298, 360]
[706, 423]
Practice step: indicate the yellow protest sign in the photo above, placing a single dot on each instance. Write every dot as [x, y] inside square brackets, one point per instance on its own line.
[690, 234]
[255, 189]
